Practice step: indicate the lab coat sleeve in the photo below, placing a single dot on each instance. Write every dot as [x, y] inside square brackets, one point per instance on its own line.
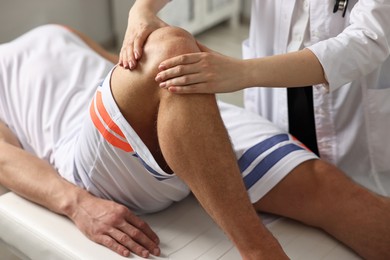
[360, 48]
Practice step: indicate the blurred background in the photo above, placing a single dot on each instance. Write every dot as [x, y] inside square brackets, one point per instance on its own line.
[219, 24]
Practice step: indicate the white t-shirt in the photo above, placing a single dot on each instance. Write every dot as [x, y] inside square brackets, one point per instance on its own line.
[44, 111]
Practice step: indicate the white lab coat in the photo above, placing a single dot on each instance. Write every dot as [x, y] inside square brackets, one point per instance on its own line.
[352, 113]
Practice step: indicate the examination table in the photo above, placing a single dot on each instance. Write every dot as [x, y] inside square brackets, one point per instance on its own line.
[185, 230]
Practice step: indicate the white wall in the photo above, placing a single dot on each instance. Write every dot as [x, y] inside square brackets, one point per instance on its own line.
[89, 16]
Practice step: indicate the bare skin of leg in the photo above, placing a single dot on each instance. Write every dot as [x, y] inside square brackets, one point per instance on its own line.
[187, 133]
[320, 195]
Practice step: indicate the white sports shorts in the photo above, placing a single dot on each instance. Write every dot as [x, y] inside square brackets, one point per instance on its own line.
[112, 162]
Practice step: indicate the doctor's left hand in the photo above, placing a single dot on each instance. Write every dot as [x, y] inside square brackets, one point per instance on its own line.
[115, 227]
[141, 23]
[202, 72]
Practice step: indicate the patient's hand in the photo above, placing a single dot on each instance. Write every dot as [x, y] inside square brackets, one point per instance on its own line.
[115, 226]
[141, 24]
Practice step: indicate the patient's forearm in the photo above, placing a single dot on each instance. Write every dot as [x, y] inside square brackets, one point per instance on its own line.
[33, 178]
[36, 180]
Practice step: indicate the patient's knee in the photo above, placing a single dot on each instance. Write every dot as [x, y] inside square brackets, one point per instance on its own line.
[168, 42]
[139, 85]
[168, 37]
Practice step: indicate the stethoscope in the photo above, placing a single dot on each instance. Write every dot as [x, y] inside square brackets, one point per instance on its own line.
[340, 5]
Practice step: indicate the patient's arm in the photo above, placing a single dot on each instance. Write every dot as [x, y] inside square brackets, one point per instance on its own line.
[103, 221]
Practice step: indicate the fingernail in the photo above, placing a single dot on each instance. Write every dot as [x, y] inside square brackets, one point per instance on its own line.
[162, 85]
[156, 251]
[145, 253]
[158, 78]
[161, 67]
[136, 55]
[131, 65]
[126, 253]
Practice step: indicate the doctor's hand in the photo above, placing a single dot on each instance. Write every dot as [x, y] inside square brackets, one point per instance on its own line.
[115, 226]
[202, 72]
[141, 24]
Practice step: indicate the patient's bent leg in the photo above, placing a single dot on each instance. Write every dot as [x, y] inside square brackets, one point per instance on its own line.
[194, 143]
[320, 195]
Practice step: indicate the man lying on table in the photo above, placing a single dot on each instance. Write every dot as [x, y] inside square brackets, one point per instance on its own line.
[65, 107]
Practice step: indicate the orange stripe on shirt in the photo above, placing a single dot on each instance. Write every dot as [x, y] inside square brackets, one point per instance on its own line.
[109, 137]
[106, 117]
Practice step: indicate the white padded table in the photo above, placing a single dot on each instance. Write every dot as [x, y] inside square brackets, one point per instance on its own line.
[185, 230]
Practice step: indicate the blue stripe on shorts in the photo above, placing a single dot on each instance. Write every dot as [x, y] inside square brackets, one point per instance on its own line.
[155, 174]
[269, 161]
[252, 153]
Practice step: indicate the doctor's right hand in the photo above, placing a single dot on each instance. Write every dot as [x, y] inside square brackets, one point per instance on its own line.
[141, 23]
[203, 72]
